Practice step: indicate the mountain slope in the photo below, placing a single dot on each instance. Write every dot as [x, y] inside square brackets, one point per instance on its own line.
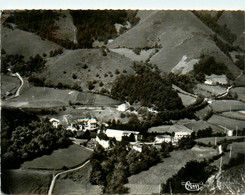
[177, 33]
[86, 65]
[235, 21]
[24, 43]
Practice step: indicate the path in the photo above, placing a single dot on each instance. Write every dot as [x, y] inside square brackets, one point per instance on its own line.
[63, 172]
[21, 85]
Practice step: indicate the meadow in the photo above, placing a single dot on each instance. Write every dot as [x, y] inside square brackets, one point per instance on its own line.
[227, 105]
[69, 157]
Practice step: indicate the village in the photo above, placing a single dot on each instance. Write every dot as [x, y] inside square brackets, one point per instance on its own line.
[100, 133]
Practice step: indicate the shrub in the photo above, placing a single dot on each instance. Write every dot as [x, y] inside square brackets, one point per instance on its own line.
[85, 66]
[117, 71]
[74, 76]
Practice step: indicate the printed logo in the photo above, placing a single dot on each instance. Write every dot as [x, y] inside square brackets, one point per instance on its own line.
[192, 186]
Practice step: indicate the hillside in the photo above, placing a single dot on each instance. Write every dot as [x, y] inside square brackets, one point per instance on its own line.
[86, 65]
[24, 43]
[234, 20]
[176, 34]
[66, 29]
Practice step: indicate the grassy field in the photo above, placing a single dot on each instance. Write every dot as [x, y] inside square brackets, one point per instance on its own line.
[70, 157]
[25, 43]
[143, 56]
[227, 122]
[234, 115]
[240, 91]
[18, 181]
[76, 182]
[227, 105]
[211, 140]
[87, 65]
[95, 99]
[209, 90]
[162, 171]
[9, 84]
[186, 99]
[199, 125]
[237, 147]
[43, 97]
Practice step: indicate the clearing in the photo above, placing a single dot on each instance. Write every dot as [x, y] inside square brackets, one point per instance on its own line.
[209, 90]
[69, 157]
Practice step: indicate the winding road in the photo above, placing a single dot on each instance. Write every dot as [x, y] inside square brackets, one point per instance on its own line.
[63, 172]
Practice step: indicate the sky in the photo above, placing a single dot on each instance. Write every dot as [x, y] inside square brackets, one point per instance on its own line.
[124, 4]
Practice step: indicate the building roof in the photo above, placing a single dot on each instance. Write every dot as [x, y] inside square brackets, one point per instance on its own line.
[118, 131]
[169, 128]
[54, 120]
[163, 136]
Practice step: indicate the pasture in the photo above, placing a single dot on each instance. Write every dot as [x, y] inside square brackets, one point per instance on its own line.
[211, 140]
[76, 182]
[237, 147]
[199, 125]
[19, 181]
[239, 115]
[227, 105]
[227, 122]
[240, 91]
[9, 84]
[186, 99]
[69, 157]
[95, 99]
[162, 171]
[209, 90]
[143, 55]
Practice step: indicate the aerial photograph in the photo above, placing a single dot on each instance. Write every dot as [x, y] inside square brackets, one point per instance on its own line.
[122, 102]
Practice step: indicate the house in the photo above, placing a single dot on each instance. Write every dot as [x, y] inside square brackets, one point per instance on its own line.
[55, 122]
[214, 79]
[103, 143]
[83, 125]
[177, 131]
[118, 134]
[163, 138]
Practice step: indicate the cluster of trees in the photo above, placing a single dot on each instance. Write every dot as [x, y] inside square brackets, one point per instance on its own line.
[41, 22]
[147, 87]
[43, 82]
[194, 171]
[208, 66]
[55, 52]
[212, 23]
[99, 25]
[240, 63]
[239, 159]
[111, 168]
[25, 136]
[17, 64]
[226, 48]
[185, 82]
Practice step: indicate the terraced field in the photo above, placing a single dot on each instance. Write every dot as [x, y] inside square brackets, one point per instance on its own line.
[9, 84]
[240, 91]
[186, 99]
[239, 115]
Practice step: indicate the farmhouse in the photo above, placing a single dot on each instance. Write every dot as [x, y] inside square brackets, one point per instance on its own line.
[178, 131]
[118, 134]
[55, 122]
[214, 79]
[163, 138]
[83, 125]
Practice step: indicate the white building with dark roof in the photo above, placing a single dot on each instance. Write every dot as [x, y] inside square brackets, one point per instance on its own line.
[118, 134]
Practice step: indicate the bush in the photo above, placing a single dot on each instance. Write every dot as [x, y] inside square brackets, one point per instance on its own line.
[74, 76]
[117, 71]
[85, 66]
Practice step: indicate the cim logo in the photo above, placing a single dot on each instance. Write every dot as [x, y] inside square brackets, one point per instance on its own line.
[192, 186]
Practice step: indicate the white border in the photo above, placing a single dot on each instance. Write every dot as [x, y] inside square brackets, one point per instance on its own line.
[124, 4]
